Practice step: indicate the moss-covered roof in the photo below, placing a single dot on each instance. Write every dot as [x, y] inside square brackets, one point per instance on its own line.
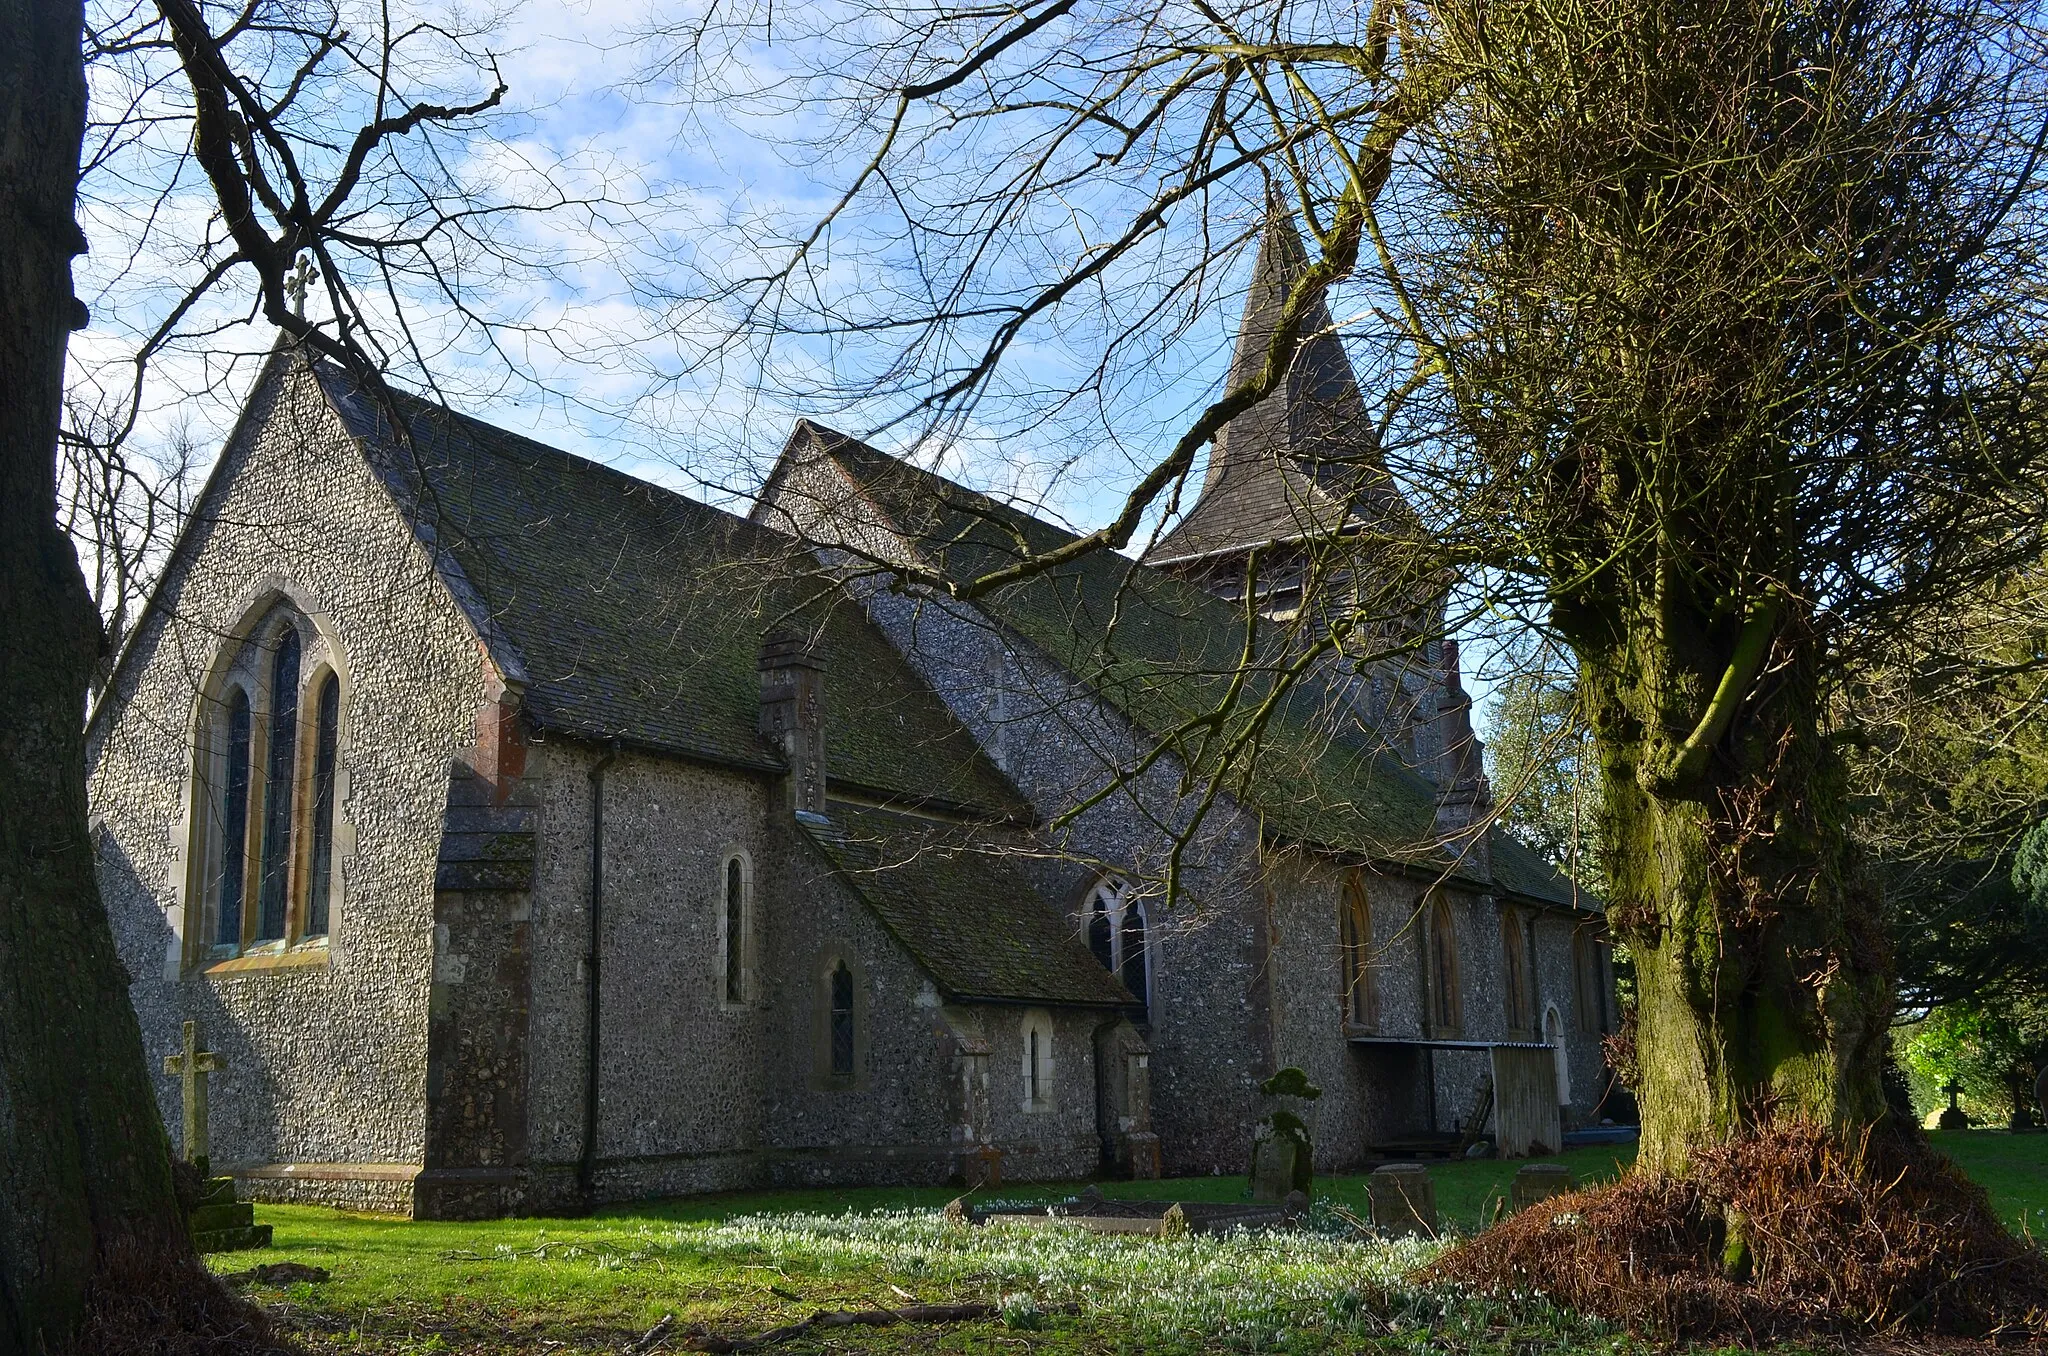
[1164, 653]
[637, 614]
[952, 898]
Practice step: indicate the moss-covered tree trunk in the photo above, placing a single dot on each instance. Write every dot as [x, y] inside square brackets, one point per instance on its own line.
[84, 1163]
[1762, 976]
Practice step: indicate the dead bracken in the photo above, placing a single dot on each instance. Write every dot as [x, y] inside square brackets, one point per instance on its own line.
[1883, 1236]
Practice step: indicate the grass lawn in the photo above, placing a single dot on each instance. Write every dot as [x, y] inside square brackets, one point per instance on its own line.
[740, 1264]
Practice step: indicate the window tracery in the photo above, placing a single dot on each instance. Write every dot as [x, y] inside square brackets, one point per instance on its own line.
[1119, 935]
[266, 792]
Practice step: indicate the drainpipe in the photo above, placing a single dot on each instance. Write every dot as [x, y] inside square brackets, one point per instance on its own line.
[586, 1168]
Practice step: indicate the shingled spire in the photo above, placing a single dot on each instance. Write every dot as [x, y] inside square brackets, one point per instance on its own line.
[1301, 463]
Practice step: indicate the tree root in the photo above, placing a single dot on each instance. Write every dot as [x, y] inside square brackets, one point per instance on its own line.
[1882, 1237]
[701, 1340]
[148, 1301]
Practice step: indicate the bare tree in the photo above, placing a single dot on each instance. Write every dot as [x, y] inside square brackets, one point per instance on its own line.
[1708, 335]
[319, 151]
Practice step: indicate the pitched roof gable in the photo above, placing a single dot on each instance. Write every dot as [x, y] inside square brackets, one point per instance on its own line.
[1164, 652]
[969, 916]
[637, 614]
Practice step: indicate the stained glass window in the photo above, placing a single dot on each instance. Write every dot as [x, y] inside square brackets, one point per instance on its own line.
[279, 777]
[326, 744]
[234, 821]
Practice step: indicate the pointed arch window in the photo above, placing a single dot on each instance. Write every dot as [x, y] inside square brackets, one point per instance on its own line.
[1035, 1047]
[735, 928]
[1120, 936]
[1517, 990]
[842, 1020]
[1361, 987]
[1446, 1008]
[267, 793]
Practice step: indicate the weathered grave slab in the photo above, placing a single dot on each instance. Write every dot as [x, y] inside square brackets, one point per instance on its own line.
[1536, 1182]
[1403, 1197]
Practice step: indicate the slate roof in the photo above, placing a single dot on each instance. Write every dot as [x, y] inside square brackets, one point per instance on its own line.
[968, 915]
[1303, 462]
[1163, 651]
[637, 614]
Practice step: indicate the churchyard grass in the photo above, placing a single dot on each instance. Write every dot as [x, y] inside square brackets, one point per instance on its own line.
[740, 1264]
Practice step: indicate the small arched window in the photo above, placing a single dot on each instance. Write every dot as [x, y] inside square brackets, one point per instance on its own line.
[234, 822]
[1361, 988]
[841, 1020]
[1119, 935]
[1445, 1006]
[1037, 1065]
[1517, 998]
[733, 927]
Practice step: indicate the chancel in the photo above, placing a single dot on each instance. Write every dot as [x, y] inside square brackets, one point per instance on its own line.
[529, 835]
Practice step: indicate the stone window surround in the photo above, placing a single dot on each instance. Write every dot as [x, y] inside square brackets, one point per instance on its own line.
[1518, 990]
[1117, 898]
[727, 855]
[191, 953]
[1358, 984]
[1036, 1085]
[1442, 966]
[1553, 1036]
[827, 959]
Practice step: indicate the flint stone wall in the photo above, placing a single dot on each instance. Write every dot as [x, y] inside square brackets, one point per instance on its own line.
[326, 1062]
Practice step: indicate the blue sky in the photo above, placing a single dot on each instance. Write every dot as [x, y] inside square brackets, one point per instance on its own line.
[610, 350]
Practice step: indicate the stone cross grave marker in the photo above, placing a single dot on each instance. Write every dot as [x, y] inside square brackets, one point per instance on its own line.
[1954, 1118]
[191, 1069]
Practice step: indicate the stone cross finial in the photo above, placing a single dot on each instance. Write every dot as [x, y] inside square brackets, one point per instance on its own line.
[191, 1069]
[1954, 1090]
[295, 286]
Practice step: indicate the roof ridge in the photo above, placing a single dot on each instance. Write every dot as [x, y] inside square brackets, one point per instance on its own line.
[572, 460]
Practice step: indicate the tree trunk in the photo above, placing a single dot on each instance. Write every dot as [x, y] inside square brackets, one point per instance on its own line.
[1762, 974]
[84, 1164]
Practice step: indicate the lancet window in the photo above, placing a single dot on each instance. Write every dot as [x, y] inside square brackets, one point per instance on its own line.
[1361, 988]
[1446, 1008]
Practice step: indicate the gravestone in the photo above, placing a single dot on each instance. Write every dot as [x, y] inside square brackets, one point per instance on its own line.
[1403, 1197]
[1954, 1118]
[1536, 1182]
[1283, 1155]
[218, 1222]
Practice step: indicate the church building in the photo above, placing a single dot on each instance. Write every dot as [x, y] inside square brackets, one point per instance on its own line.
[523, 835]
